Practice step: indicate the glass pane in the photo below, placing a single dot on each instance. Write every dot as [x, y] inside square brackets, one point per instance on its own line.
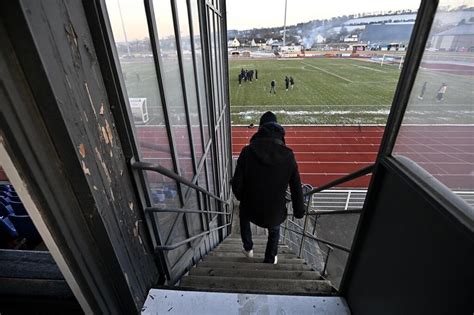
[189, 77]
[172, 85]
[139, 73]
[438, 127]
[200, 69]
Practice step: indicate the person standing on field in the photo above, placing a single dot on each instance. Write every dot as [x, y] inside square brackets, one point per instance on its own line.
[264, 170]
[423, 90]
[240, 79]
[292, 82]
[287, 82]
[272, 87]
[256, 74]
[441, 92]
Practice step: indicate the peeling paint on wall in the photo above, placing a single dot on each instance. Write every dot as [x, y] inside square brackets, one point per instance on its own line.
[105, 135]
[135, 229]
[82, 150]
[109, 133]
[85, 169]
[104, 166]
[90, 98]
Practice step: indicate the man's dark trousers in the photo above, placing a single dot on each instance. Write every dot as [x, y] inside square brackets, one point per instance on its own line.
[272, 242]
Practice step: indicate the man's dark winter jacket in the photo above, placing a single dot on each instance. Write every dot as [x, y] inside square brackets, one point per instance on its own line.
[264, 169]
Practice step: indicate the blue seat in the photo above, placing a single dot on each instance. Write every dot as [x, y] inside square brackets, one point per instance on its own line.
[25, 228]
[170, 192]
[5, 209]
[7, 228]
[158, 195]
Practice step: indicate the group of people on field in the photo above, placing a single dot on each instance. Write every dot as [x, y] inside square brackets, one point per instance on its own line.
[247, 75]
[289, 83]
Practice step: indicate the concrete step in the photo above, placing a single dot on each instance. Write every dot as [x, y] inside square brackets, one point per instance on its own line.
[252, 260]
[247, 273]
[255, 254]
[255, 251]
[238, 247]
[254, 237]
[239, 241]
[256, 285]
[253, 265]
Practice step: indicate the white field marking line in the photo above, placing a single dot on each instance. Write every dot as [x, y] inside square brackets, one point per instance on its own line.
[363, 67]
[325, 71]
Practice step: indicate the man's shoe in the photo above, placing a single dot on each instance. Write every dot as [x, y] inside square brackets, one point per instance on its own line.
[275, 260]
[249, 253]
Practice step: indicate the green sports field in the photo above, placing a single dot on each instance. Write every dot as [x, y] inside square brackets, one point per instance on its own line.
[326, 91]
[343, 91]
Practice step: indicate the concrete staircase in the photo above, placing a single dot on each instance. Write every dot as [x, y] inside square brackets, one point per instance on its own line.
[226, 269]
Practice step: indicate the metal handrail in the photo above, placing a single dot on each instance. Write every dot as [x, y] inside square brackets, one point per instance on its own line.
[156, 209]
[319, 239]
[189, 239]
[164, 171]
[361, 172]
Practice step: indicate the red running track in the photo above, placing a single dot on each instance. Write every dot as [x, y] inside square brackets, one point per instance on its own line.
[325, 153]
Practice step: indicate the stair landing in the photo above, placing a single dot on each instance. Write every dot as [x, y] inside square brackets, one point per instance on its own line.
[192, 302]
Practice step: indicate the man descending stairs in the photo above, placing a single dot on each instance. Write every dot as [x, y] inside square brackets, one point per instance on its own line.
[227, 269]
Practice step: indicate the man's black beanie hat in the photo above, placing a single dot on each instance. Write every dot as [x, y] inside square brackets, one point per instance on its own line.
[267, 117]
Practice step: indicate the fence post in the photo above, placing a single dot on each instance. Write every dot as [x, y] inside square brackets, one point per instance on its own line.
[305, 227]
[323, 274]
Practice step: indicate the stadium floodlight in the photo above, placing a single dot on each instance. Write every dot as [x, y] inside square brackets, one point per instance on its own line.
[284, 25]
[123, 28]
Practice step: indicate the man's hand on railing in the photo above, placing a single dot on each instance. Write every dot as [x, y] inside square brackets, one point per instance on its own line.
[305, 187]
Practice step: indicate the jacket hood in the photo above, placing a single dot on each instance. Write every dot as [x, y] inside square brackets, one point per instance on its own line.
[268, 145]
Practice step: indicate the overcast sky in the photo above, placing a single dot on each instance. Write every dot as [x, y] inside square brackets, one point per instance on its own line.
[246, 14]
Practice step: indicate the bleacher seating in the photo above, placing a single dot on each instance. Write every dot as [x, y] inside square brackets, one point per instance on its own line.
[16, 227]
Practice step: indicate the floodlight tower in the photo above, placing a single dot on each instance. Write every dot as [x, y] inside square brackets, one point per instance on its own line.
[284, 25]
[123, 28]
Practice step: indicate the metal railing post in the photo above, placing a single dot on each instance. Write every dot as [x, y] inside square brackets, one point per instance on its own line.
[305, 227]
[323, 273]
[315, 223]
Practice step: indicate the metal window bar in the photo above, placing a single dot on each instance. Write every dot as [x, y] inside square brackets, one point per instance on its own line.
[164, 171]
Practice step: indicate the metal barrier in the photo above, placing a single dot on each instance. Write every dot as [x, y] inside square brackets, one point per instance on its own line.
[142, 166]
[310, 201]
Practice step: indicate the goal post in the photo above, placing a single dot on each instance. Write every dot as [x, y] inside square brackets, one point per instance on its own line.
[393, 60]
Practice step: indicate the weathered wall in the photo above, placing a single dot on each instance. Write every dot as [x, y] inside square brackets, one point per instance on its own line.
[62, 71]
